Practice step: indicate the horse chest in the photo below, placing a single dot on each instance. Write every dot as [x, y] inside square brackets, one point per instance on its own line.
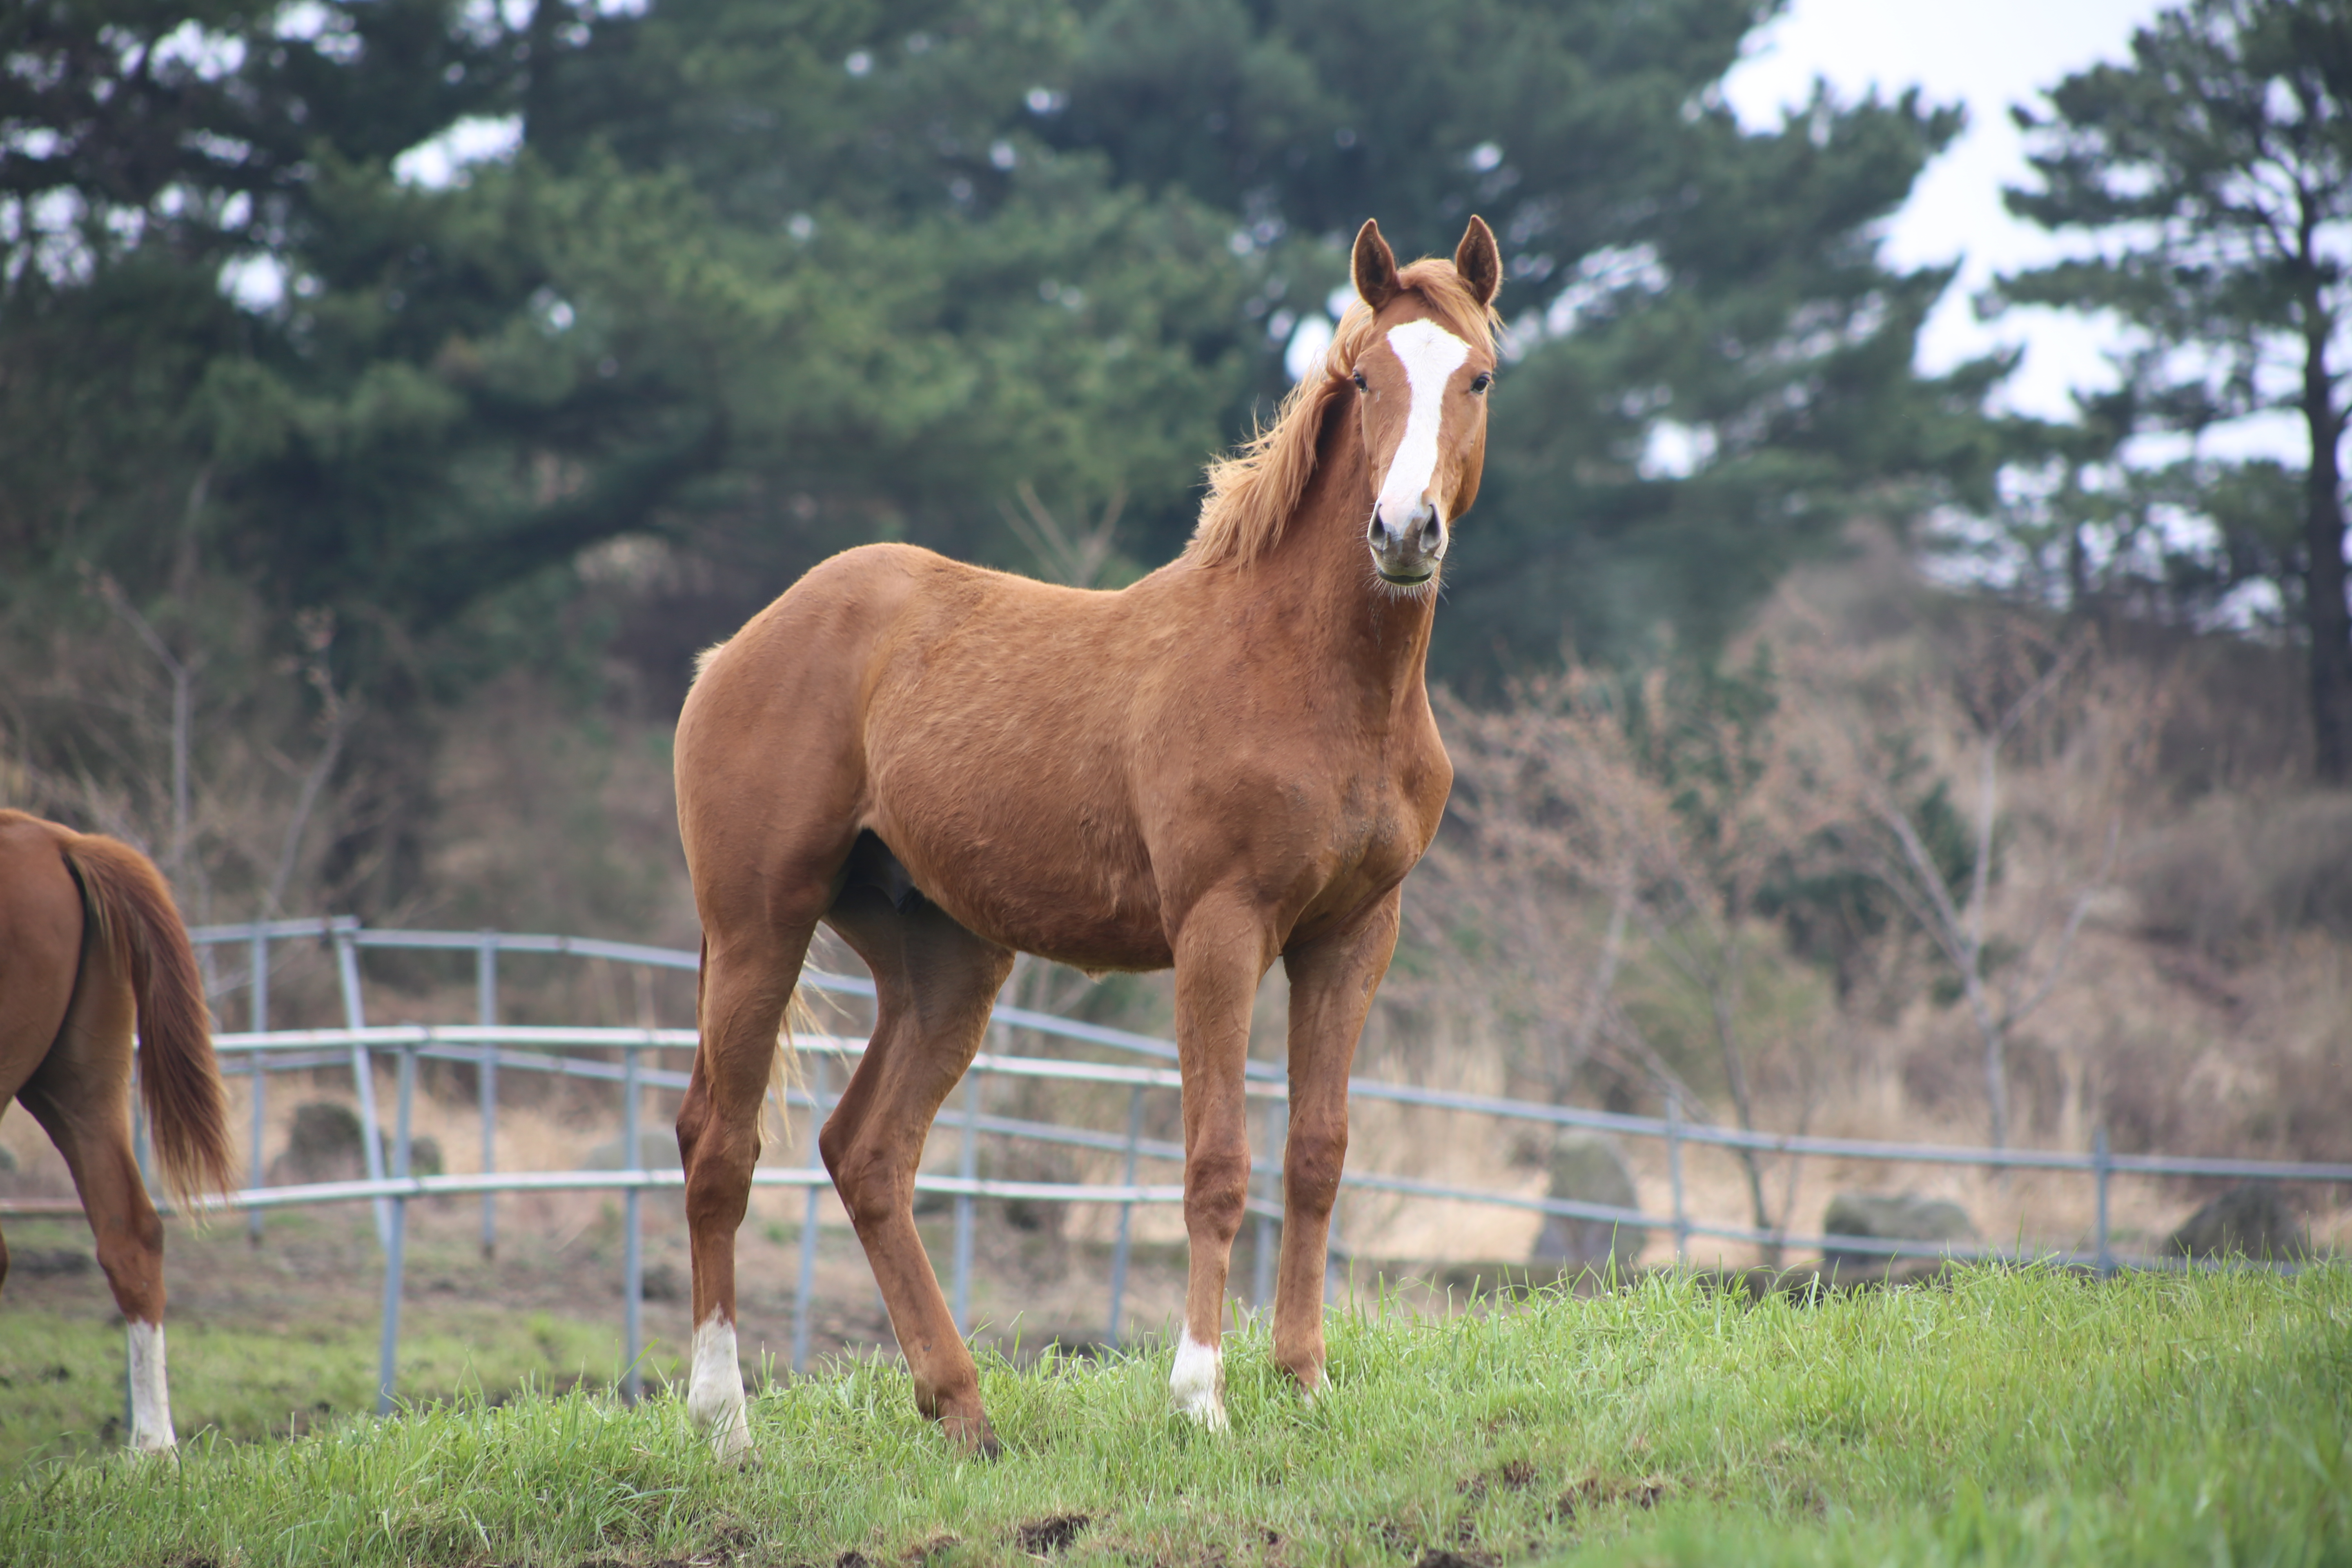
[1386, 819]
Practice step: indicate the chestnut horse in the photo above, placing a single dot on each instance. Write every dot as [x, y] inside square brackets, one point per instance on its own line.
[88, 936]
[1229, 762]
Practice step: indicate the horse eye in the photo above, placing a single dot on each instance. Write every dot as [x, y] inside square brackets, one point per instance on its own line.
[1358, 379]
[1482, 381]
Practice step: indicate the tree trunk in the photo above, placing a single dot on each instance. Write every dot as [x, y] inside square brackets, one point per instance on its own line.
[2326, 615]
[1723, 998]
[1996, 1065]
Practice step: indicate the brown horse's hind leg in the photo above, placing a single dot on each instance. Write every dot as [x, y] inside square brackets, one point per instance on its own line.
[934, 984]
[1331, 983]
[81, 1095]
[748, 975]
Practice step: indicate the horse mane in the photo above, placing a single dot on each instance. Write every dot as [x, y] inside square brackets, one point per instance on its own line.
[1253, 491]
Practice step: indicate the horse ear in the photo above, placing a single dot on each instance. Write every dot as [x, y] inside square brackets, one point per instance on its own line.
[1479, 260]
[1374, 267]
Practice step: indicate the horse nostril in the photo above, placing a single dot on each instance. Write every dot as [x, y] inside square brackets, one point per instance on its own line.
[1379, 531]
[1432, 534]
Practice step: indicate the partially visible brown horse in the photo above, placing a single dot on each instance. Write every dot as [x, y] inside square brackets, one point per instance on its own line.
[1232, 760]
[88, 937]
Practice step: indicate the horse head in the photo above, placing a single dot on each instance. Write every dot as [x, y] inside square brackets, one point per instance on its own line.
[1423, 358]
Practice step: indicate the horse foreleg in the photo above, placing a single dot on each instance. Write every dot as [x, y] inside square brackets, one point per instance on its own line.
[745, 986]
[1331, 983]
[934, 984]
[1221, 956]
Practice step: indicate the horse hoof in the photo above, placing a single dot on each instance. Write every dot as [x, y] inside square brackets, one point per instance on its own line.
[973, 1435]
[728, 1432]
[1208, 1414]
[1197, 1385]
[731, 1444]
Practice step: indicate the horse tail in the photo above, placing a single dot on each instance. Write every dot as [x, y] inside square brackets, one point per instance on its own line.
[135, 923]
[784, 1072]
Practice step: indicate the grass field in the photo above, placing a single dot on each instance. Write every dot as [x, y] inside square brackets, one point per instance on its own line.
[2010, 1418]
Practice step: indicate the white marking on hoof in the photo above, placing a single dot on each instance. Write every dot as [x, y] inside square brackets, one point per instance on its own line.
[151, 1399]
[714, 1394]
[1198, 1384]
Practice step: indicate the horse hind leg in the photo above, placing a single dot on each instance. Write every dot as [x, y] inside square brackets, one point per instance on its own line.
[747, 982]
[81, 1094]
[935, 982]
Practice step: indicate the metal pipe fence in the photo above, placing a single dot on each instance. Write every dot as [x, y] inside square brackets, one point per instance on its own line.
[492, 1048]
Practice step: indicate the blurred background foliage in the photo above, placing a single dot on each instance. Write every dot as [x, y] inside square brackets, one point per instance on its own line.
[761, 280]
[318, 388]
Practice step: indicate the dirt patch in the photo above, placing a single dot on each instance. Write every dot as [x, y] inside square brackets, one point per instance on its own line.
[49, 1263]
[1044, 1536]
[1591, 1492]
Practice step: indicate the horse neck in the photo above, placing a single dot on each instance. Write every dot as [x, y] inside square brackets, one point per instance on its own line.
[1371, 641]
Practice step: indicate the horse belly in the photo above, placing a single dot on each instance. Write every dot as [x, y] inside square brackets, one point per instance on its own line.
[1063, 884]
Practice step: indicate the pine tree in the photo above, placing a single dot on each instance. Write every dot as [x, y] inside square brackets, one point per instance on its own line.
[2215, 172]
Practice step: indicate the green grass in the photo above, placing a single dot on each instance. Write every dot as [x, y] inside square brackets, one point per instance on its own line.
[61, 1374]
[2011, 1418]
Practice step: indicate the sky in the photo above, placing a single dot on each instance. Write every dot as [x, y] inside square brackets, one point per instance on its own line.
[1984, 57]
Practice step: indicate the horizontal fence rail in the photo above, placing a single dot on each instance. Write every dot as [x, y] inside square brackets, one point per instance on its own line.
[493, 1048]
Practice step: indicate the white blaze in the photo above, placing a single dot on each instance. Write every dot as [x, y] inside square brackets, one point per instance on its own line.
[714, 1392]
[1198, 1384]
[1431, 355]
[150, 1400]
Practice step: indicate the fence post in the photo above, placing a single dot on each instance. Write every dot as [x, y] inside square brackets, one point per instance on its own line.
[257, 1017]
[1262, 1262]
[397, 1240]
[1118, 1252]
[1675, 1169]
[633, 1266]
[804, 1292]
[967, 1166]
[485, 1013]
[347, 973]
[2101, 1166]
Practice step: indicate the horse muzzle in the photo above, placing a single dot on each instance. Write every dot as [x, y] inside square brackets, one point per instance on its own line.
[1407, 548]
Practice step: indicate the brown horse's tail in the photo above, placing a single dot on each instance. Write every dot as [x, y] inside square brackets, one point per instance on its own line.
[126, 901]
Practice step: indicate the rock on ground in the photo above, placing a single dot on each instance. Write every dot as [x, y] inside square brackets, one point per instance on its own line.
[2253, 1220]
[1587, 1167]
[1891, 1216]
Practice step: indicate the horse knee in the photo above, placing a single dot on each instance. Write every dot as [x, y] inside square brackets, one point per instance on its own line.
[1216, 1191]
[1311, 1167]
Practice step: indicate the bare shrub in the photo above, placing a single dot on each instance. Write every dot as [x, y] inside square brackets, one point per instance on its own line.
[190, 734]
[1603, 879]
[2240, 873]
[1905, 745]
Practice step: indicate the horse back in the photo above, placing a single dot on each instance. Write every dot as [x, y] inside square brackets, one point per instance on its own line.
[975, 723]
